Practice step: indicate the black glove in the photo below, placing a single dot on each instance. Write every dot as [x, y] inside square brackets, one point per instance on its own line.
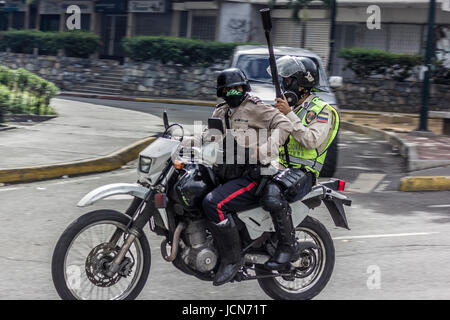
[290, 180]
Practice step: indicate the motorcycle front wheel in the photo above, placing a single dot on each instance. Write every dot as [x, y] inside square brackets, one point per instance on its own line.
[312, 270]
[84, 250]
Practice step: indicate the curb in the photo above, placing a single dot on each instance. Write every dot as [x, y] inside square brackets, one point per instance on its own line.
[421, 183]
[413, 163]
[202, 103]
[6, 127]
[406, 149]
[110, 162]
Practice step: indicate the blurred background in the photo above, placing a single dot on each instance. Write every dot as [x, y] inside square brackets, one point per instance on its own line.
[80, 80]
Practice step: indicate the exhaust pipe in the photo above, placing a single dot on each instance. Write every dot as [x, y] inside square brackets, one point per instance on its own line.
[175, 241]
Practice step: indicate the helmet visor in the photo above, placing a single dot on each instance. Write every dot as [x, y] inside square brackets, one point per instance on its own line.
[287, 66]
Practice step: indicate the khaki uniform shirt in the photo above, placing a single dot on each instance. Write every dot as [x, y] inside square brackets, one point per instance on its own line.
[252, 113]
[314, 136]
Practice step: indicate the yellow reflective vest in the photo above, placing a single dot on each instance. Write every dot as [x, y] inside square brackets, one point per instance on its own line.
[299, 156]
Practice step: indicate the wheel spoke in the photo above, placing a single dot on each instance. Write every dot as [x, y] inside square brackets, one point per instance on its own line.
[304, 283]
[93, 241]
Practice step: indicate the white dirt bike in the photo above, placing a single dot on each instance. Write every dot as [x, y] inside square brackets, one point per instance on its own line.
[105, 254]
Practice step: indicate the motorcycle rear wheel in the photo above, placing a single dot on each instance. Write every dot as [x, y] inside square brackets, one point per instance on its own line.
[319, 271]
[82, 251]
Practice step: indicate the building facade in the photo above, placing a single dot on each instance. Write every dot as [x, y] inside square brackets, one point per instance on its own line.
[403, 27]
[12, 15]
[403, 22]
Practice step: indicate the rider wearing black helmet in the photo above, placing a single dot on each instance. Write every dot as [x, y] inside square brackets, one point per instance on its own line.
[232, 78]
[315, 125]
[240, 113]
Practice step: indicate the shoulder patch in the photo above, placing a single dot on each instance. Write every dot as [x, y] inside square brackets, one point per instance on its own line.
[255, 100]
[310, 116]
[323, 116]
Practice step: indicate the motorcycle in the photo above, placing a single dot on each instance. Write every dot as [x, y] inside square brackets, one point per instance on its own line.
[105, 254]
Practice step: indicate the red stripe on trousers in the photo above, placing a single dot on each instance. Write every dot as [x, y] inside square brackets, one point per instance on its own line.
[232, 196]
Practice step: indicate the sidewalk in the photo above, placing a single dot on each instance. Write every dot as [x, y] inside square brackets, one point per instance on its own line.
[420, 152]
[88, 138]
[84, 137]
[427, 155]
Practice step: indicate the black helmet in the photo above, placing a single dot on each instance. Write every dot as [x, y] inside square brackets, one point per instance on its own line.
[303, 69]
[232, 77]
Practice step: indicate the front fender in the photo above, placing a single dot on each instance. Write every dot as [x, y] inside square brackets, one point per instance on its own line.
[102, 192]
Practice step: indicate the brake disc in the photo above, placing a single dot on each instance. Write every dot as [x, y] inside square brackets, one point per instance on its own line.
[97, 262]
[306, 264]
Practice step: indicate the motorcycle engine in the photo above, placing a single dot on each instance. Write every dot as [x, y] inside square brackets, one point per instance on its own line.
[199, 252]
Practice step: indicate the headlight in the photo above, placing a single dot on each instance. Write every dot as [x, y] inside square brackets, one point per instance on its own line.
[144, 164]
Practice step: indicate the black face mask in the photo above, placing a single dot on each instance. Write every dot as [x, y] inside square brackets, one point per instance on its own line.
[234, 101]
[292, 92]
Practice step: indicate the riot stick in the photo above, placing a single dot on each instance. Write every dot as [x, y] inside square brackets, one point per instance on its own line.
[267, 25]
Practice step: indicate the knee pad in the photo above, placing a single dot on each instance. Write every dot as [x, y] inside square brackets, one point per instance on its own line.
[272, 200]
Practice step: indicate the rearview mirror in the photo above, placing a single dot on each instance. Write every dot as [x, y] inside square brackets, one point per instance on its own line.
[215, 123]
[336, 82]
[166, 120]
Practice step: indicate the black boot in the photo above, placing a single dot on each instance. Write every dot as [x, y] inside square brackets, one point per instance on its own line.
[286, 247]
[227, 241]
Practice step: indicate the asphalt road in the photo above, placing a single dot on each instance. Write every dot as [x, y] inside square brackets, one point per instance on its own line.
[397, 248]
[179, 113]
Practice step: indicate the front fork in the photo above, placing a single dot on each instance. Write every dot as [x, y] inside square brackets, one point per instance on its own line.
[141, 212]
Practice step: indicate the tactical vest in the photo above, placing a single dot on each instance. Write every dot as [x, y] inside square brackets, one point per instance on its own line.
[299, 156]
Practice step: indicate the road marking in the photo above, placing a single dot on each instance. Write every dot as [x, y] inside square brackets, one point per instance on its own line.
[439, 206]
[365, 182]
[72, 181]
[368, 157]
[360, 137]
[45, 184]
[382, 186]
[386, 235]
[9, 189]
[343, 145]
[356, 168]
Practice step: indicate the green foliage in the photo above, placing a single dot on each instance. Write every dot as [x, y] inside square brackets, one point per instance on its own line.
[20, 41]
[24, 92]
[5, 96]
[369, 62]
[177, 50]
[79, 43]
[76, 43]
